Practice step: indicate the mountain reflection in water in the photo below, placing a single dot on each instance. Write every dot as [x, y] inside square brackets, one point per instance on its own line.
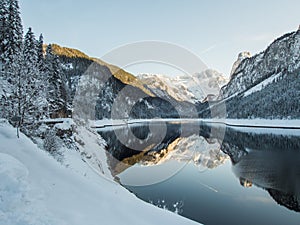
[269, 162]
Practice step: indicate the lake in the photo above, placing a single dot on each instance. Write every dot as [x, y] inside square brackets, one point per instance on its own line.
[210, 173]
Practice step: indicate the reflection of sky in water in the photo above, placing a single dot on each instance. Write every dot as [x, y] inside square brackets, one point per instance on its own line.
[216, 197]
[140, 175]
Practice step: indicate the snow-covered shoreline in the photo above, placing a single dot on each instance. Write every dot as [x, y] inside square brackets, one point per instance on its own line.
[257, 123]
[37, 190]
[250, 123]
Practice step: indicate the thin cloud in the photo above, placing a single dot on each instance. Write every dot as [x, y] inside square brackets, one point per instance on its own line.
[208, 49]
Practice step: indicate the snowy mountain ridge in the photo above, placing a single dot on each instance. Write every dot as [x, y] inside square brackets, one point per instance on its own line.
[266, 85]
[283, 55]
[185, 88]
[189, 149]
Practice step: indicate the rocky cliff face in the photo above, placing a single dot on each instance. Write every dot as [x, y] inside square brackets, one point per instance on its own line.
[241, 57]
[267, 84]
[282, 56]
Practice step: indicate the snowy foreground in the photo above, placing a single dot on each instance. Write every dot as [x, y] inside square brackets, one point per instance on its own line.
[37, 190]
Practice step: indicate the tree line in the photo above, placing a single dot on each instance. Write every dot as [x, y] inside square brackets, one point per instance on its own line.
[32, 84]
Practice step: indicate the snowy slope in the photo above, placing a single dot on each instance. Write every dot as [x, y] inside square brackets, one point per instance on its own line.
[37, 190]
[262, 84]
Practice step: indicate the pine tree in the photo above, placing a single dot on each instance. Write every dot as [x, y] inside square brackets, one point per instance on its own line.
[11, 45]
[43, 79]
[3, 27]
[27, 101]
[23, 78]
[13, 37]
[57, 94]
[30, 51]
[29, 61]
[40, 52]
[36, 82]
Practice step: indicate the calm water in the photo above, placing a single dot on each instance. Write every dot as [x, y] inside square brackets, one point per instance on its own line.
[213, 175]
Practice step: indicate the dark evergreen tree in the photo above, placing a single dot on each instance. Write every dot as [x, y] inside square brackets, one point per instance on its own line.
[41, 65]
[36, 82]
[11, 56]
[27, 100]
[40, 52]
[3, 27]
[57, 95]
[30, 51]
[13, 37]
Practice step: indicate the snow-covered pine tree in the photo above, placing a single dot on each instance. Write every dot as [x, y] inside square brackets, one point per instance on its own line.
[3, 28]
[43, 79]
[57, 94]
[3, 84]
[40, 53]
[27, 100]
[30, 50]
[11, 45]
[13, 36]
[37, 108]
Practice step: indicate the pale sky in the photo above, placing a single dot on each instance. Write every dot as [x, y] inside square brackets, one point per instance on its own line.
[216, 31]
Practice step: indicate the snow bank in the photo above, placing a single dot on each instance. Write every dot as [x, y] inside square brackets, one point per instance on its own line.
[260, 123]
[292, 123]
[37, 190]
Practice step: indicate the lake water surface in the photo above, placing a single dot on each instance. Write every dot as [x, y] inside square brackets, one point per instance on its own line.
[210, 174]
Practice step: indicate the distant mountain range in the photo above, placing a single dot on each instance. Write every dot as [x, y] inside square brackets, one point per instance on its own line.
[191, 88]
[265, 85]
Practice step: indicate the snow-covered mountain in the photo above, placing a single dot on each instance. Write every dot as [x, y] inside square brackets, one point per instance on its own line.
[282, 56]
[266, 85]
[164, 87]
[194, 149]
[185, 88]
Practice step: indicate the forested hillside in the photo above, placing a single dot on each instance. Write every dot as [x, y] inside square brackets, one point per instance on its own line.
[265, 85]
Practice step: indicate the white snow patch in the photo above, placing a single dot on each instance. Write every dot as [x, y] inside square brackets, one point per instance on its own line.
[65, 125]
[261, 85]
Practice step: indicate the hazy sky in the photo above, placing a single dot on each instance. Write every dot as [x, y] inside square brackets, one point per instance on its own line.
[216, 31]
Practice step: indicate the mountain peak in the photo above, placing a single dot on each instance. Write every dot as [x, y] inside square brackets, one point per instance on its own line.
[192, 89]
[241, 57]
